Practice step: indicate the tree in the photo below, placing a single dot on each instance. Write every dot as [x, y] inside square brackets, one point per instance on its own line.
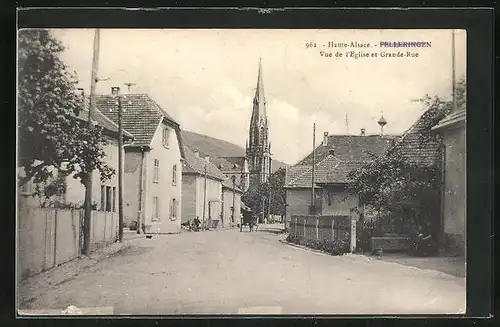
[53, 141]
[406, 194]
[257, 196]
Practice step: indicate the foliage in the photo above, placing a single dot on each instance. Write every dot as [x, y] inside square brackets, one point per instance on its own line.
[405, 194]
[256, 195]
[53, 141]
[337, 247]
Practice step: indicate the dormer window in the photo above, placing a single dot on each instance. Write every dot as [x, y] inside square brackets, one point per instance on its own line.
[165, 137]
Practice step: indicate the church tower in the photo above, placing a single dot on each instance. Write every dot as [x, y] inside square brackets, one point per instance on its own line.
[258, 150]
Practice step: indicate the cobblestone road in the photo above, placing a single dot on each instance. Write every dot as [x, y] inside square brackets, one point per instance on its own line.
[228, 272]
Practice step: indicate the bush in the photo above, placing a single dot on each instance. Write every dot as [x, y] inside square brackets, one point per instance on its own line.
[338, 247]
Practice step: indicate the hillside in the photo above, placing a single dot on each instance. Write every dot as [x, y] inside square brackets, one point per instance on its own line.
[218, 148]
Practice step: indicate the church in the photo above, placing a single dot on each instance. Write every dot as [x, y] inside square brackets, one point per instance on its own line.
[258, 147]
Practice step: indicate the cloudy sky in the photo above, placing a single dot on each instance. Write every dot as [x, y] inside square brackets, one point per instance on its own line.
[206, 78]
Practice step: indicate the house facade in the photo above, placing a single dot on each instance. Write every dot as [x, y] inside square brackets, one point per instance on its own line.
[452, 131]
[336, 157]
[231, 203]
[104, 194]
[152, 165]
[201, 189]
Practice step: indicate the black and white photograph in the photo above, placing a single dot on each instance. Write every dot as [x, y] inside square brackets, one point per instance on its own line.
[241, 172]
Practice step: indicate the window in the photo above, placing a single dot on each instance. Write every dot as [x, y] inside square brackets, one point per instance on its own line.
[156, 171]
[173, 209]
[174, 175]
[114, 199]
[165, 137]
[156, 209]
[329, 195]
[109, 198]
[103, 197]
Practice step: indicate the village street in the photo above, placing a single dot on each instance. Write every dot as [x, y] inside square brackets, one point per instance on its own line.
[231, 272]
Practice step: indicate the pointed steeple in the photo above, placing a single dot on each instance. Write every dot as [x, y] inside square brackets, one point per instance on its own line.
[259, 109]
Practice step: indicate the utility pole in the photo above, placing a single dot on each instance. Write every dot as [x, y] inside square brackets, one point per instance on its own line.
[88, 181]
[313, 204]
[116, 91]
[454, 87]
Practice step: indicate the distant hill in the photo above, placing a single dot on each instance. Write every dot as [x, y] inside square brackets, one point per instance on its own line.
[218, 148]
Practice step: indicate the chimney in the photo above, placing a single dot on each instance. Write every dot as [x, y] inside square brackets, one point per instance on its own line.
[207, 158]
[197, 153]
[363, 132]
[325, 138]
[115, 90]
[331, 151]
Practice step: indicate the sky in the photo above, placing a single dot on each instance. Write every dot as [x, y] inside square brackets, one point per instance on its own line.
[206, 79]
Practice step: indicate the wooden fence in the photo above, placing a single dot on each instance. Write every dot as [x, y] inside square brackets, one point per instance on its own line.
[48, 237]
[329, 228]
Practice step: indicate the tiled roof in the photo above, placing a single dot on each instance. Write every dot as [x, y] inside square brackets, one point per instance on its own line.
[141, 115]
[331, 169]
[225, 165]
[451, 119]
[194, 164]
[226, 183]
[411, 146]
[104, 122]
[352, 148]
[295, 171]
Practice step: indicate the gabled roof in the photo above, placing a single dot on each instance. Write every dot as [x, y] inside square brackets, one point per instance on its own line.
[352, 148]
[141, 115]
[105, 123]
[411, 146]
[196, 165]
[330, 170]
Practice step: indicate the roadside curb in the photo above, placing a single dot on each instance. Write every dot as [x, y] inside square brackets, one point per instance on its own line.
[33, 287]
[302, 247]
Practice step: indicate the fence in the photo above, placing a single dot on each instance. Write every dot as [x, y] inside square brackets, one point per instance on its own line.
[329, 228]
[48, 237]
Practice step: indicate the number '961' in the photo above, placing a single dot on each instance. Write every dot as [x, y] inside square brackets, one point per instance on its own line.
[310, 45]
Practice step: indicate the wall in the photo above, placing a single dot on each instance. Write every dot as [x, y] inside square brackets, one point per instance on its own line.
[75, 191]
[189, 195]
[341, 203]
[131, 181]
[298, 202]
[165, 190]
[455, 189]
[48, 237]
[213, 196]
[227, 204]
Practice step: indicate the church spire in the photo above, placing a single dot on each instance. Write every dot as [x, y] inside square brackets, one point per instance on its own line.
[259, 109]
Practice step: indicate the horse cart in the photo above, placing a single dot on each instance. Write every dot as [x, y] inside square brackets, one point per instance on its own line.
[249, 219]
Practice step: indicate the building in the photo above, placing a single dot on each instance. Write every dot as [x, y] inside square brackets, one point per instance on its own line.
[201, 189]
[258, 148]
[104, 194]
[153, 162]
[237, 167]
[231, 203]
[336, 157]
[452, 132]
